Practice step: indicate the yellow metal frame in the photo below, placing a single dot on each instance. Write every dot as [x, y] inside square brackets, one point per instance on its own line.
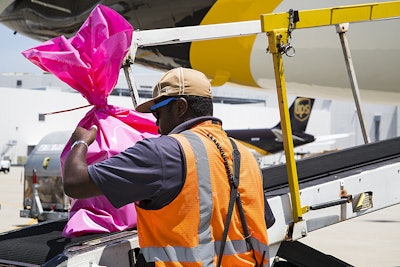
[277, 26]
[332, 16]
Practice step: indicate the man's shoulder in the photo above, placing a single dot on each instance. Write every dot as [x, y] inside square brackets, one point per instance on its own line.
[157, 140]
[162, 142]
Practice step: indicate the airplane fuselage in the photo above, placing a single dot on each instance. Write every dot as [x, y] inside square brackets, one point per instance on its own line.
[317, 69]
[265, 142]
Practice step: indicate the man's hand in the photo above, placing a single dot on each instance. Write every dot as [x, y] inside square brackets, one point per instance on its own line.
[81, 133]
[77, 182]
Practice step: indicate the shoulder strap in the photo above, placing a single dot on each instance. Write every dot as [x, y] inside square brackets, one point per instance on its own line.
[235, 197]
[236, 170]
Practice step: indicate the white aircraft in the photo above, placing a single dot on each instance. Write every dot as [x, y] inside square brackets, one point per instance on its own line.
[317, 69]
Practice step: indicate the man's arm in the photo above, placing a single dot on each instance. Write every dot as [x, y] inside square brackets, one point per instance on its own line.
[76, 179]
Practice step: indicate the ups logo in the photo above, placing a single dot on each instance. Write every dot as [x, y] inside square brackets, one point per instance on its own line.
[302, 108]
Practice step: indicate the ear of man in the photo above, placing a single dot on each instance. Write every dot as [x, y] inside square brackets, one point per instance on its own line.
[183, 108]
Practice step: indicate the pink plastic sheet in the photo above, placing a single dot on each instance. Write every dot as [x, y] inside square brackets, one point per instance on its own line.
[90, 62]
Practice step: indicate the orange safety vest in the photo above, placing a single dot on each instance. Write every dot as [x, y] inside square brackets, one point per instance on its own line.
[188, 231]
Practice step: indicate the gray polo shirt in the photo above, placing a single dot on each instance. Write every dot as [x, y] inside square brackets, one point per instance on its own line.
[151, 172]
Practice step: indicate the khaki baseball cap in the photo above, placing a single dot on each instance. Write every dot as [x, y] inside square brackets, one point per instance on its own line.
[176, 82]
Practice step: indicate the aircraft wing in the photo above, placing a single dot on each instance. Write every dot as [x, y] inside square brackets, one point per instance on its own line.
[279, 137]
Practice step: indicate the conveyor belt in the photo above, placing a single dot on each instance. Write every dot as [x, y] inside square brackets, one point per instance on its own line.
[327, 166]
[38, 243]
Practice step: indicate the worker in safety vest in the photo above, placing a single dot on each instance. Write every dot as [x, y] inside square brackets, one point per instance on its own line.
[197, 204]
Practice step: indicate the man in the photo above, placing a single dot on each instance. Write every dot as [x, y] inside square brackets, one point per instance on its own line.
[180, 181]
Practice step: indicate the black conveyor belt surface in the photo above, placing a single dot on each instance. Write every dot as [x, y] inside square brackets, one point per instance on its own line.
[321, 166]
[38, 243]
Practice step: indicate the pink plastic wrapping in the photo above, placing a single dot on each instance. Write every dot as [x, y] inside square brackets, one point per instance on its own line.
[90, 62]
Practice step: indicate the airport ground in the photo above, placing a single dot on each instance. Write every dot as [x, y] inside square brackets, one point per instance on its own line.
[369, 240]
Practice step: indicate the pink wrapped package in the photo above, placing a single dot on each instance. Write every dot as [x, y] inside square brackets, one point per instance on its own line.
[90, 62]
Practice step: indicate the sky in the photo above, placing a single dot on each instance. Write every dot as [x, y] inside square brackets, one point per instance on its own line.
[12, 45]
[11, 48]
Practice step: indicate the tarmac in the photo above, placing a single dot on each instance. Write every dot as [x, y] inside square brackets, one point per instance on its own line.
[369, 240]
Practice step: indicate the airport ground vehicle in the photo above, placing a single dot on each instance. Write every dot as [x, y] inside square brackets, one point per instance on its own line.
[335, 187]
[5, 165]
[44, 197]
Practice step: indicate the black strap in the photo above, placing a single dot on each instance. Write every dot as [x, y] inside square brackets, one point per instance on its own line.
[236, 171]
[227, 223]
[235, 197]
